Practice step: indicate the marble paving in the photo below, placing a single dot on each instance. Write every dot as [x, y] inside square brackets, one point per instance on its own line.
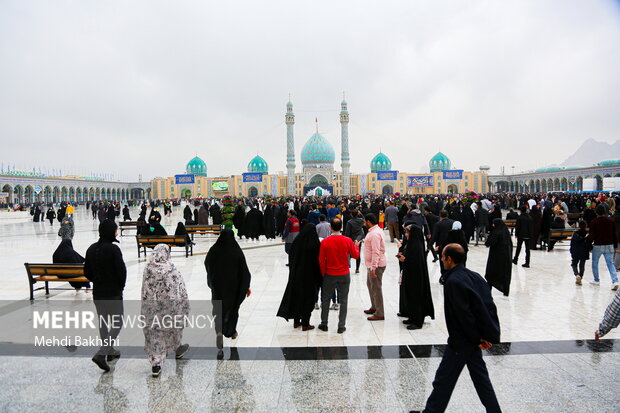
[544, 306]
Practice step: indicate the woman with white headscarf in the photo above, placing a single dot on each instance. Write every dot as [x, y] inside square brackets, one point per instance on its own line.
[163, 294]
[457, 236]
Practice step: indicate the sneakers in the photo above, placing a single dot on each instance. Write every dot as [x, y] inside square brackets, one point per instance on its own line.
[578, 280]
[323, 327]
[100, 360]
[597, 283]
[155, 371]
[333, 306]
[614, 287]
[180, 352]
[336, 306]
[316, 305]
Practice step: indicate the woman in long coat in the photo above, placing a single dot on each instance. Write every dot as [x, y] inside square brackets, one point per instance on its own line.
[499, 265]
[304, 279]
[418, 301]
[253, 226]
[163, 294]
[216, 213]
[239, 218]
[228, 277]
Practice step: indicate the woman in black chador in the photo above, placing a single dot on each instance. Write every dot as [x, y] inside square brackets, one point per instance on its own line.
[418, 301]
[499, 265]
[253, 226]
[228, 277]
[65, 254]
[304, 279]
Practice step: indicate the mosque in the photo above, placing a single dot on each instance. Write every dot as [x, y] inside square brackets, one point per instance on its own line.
[318, 175]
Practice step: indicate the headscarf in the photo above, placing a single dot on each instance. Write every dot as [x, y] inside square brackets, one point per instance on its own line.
[107, 231]
[456, 225]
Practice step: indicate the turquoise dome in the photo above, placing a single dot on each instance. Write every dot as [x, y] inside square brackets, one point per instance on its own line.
[317, 151]
[258, 164]
[609, 162]
[439, 162]
[197, 167]
[380, 163]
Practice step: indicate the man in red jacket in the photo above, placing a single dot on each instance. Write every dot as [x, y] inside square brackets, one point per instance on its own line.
[334, 255]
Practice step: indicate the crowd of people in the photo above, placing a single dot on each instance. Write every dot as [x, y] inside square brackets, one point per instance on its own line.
[325, 239]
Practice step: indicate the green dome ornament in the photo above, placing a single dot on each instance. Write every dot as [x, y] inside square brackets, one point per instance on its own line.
[196, 167]
[439, 162]
[380, 163]
[258, 164]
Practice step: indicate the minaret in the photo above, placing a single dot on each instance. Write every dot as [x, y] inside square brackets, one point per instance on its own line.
[290, 148]
[344, 157]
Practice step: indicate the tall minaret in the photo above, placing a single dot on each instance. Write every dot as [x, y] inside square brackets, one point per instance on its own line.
[290, 148]
[344, 157]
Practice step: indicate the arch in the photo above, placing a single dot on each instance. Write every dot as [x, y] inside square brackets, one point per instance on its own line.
[599, 182]
[252, 192]
[186, 193]
[617, 175]
[8, 189]
[137, 193]
[18, 193]
[318, 180]
[72, 194]
[564, 184]
[531, 186]
[64, 192]
[113, 194]
[98, 194]
[28, 194]
[579, 184]
[387, 189]
[453, 188]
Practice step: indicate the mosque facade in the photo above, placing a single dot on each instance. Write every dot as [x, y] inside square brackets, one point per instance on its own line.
[318, 174]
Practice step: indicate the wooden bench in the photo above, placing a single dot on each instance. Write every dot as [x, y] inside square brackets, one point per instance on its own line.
[561, 234]
[510, 223]
[53, 273]
[124, 225]
[573, 218]
[203, 229]
[145, 241]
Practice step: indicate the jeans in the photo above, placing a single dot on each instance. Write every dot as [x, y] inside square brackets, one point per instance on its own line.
[483, 230]
[448, 374]
[607, 251]
[329, 285]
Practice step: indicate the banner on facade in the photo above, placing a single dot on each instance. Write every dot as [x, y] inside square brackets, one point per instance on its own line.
[387, 175]
[184, 179]
[253, 177]
[420, 181]
[314, 190]
[4, 194]
[453, 174]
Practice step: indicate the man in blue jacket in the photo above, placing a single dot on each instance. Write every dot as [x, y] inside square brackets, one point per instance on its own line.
[471, 318]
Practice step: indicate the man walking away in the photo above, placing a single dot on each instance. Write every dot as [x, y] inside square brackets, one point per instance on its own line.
[440, 234]
[603, 236]
[523, 232]
[391, 217]
[334, 261]
[104, 266]
[473, 326]
[374, 258]
[323, 230]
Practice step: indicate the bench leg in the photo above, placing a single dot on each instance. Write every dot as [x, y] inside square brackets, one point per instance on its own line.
[31, 291]
[47, 289]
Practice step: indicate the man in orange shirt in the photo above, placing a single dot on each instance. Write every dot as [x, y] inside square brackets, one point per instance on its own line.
[334, 255]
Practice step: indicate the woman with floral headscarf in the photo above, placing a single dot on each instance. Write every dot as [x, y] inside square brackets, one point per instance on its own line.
[163, 294]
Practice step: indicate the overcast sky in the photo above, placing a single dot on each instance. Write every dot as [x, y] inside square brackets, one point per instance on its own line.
[140, 87]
